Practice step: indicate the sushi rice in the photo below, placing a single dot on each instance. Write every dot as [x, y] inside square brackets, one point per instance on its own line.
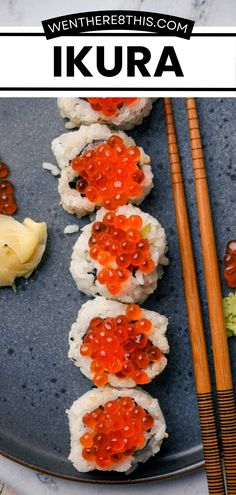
[84, 269]
[138, 286]
[79, 111]
[69, 145]
[101, 307]
[98, 397]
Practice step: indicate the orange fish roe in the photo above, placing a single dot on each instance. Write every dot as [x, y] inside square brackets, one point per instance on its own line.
[7, 200]
[109, 175]
[120, 346]
[3, 170]
[230, 264]
[114, 431]
[109, 106]
[117, 239]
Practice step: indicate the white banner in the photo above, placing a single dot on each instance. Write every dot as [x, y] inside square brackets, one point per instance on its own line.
[143, 64]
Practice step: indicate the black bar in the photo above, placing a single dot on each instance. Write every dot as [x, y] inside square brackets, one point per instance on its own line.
[125, 34]
[115, 89]
[69, 25]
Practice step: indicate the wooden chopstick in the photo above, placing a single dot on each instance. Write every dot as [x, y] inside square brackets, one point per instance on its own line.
[196, 330]
[224, 385]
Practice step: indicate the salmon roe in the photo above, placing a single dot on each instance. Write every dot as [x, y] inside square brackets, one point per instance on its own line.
[117, 241]
[108, 175]
[110, 106]
[7, 200]
[114, 431]
[230, 264]
[3, 170]
[120, 346]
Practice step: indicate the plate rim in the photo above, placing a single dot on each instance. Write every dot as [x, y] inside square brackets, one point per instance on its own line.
[173, 474]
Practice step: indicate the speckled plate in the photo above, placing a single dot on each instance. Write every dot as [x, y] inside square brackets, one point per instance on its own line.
[37, 381]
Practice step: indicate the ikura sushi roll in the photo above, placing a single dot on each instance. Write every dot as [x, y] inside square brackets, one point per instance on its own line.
[119, 344]
[121, 113]
[114, 430]
[100, 169]
[120, 255]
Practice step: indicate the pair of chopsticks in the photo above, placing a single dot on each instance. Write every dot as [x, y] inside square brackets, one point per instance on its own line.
[223, 376]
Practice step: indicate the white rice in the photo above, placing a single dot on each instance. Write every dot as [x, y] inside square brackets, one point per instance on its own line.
[139, 286]
[69, 145]
[98, 397]
[71, 229]
[79, 111]
[51, 168]
[101, 307]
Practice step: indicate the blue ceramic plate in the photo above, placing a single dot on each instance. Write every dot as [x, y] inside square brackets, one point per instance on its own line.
[38, 382]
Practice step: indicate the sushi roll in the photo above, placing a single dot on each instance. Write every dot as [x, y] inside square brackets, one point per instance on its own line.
[120, 255]
[114, 430]
[119, 344]
[100, 168]
[120, 113]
